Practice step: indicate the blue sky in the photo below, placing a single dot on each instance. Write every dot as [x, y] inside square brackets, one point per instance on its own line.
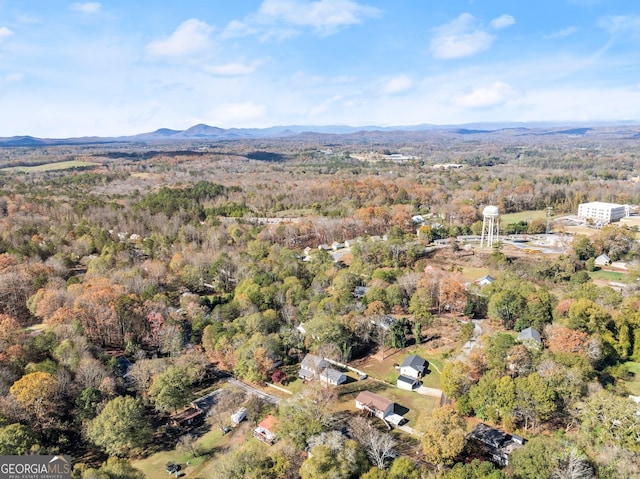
[124, 67]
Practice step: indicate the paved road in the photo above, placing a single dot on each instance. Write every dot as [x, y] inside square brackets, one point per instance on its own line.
[256, 392]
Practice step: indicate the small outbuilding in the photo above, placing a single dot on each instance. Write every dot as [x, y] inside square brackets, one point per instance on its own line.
[602, 260]
[407, 383]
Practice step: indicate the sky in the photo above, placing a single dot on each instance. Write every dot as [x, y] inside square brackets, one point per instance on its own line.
[121, 67]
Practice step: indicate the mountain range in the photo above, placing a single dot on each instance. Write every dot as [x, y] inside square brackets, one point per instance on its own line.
[610, 130]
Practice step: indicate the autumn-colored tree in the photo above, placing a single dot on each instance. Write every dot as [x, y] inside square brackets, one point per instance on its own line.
[38, 394]
[562, 339]
[443, 436]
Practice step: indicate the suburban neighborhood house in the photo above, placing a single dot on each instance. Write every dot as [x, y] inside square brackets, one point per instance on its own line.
[378, 406]
[497, 445]
[265, 431]
[314, 367]
[411, 371]
[530, 336]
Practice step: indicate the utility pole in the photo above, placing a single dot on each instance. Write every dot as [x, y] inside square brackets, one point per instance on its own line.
[549, 210]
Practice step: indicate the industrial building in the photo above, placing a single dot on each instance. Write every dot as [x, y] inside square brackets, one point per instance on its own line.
[602, 213]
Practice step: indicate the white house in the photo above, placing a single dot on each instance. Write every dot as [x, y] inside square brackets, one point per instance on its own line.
[413, 367]
[602, 260]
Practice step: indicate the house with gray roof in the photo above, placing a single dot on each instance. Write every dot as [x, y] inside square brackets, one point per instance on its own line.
[530, 335]
[413, 367]
[314, 367]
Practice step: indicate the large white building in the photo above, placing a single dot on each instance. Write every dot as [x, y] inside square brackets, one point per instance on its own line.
[603, 213]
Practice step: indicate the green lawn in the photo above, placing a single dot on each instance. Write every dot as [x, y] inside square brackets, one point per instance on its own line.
[607, 275]
[471, 273]
[61, 165]
[523, 216]
[414, 402]
[633, 385]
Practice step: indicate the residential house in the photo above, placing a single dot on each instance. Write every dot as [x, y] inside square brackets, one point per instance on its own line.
[190, 417]
[530, 336]
[484, 281]
[413, 366]
[360, 291]
[602, 260]
[377, 405]
[265, 431]
[314, 367]
[497, 445]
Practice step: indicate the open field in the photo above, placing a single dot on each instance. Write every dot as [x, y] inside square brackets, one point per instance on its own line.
[607, 275]
[62, 165]
[414, 402]
[523, 216]
[634, 385]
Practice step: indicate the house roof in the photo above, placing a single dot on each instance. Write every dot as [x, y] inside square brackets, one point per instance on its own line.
[603, 258]
[373, 401]
[333, 375]
[268, 423]
[485, 280]
[489, 435]
[414, 361]
[186, 415]
[313, 363]
[529, 334]
[406, 379]
[205, 402]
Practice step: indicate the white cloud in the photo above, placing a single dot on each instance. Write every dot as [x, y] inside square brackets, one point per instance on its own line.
[86, 7]
[461, 37]
[236, 114]
[10, 78]
[564, 33]
[5, 33]
[191, 37]
[502, 21]
[282, 18]
[232, 69]
[621, 25]
[486, 97]
[397, 84]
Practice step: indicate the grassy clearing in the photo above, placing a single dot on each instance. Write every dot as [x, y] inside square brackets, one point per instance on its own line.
[471, 273]
[62, 165]
[209, 445]
[607, 275]
[414, 402]
[634, 384]
[523, 216]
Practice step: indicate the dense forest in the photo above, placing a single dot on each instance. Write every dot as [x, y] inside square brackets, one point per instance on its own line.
[150, 275]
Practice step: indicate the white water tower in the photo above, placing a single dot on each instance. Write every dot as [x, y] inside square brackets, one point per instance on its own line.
[490, 226]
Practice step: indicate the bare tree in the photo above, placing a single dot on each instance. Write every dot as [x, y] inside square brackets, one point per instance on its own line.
[573, 465]
[188, 443]
[379, 446]
[226, 402]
